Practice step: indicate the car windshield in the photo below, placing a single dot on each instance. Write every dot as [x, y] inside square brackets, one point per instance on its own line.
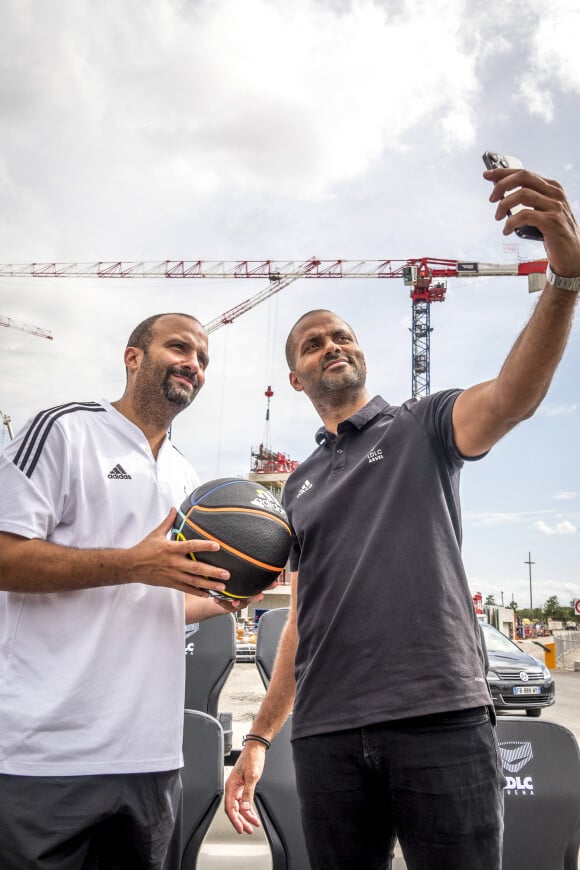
[495, 641]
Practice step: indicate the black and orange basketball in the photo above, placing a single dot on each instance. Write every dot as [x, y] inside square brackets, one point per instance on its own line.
[248, 523]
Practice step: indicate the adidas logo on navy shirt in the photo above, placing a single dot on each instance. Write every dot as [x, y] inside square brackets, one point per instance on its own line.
[119, 473]
[304, 488]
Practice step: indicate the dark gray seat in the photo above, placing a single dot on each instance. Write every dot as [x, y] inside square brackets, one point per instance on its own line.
[541, 761]
[203, 780]
[277, 804]
[210, 654]
[269, 630]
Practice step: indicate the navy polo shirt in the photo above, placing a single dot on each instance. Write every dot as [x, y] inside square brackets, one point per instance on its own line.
[386, 623]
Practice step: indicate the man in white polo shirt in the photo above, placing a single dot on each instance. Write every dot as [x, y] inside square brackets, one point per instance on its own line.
[92, 617]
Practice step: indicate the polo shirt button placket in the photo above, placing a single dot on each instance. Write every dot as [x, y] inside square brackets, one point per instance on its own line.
[338, 459]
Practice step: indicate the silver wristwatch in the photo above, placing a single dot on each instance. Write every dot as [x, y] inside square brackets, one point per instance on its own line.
[563, 283]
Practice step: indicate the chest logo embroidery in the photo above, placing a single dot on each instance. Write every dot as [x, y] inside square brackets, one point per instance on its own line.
[118, 473]
[375, 455]
[304, 488]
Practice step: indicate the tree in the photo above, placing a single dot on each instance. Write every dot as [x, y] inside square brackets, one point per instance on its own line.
[513, 605]
[490, 599]
[552, 608]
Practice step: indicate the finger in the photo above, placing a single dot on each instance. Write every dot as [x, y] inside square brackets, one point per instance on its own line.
[528, 199]
[166, 525]
[249, 815]
[195, 545]
[231, 605]
[232, 810]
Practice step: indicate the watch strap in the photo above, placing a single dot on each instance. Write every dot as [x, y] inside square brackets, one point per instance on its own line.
[562, 283]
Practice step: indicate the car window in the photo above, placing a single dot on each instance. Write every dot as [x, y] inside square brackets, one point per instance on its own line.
[495, 641]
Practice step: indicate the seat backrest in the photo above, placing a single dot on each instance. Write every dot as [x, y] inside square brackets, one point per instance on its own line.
[277, 804]
[269, 630]
[541, 762]
[210, 654]
[203, 780]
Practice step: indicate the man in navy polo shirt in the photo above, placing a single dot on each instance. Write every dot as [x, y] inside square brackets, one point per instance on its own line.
[385, 743]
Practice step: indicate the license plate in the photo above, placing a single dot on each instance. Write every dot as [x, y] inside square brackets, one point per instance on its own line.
[527, 690]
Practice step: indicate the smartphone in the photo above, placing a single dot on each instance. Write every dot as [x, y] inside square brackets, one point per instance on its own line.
[493, 160]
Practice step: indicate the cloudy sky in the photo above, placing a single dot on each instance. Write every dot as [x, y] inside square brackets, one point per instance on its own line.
[150, 130]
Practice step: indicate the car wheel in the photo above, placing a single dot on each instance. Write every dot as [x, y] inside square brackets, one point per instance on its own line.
[536, 712]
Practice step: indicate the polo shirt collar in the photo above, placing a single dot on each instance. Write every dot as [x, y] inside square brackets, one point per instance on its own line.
[372, 409]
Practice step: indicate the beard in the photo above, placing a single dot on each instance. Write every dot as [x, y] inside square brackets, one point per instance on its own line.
[158, 396]
[353, 378]
[176, 393]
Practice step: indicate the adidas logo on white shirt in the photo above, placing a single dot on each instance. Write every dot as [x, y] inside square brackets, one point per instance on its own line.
[118, 473]
[304, 488]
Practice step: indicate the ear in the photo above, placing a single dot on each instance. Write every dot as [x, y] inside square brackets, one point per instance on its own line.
[132, 358]
[295, 382]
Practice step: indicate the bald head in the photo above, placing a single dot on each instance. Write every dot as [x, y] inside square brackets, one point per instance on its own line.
[291, 341]
[142, 335]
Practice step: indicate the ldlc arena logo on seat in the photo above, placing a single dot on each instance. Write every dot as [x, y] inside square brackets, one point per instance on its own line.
[515, 755]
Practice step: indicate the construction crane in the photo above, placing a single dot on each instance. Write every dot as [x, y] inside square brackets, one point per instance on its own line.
[24, 327]
[425, 276]
[31, 330]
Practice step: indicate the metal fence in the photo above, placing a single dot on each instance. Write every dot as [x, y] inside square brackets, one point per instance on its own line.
[567, 649]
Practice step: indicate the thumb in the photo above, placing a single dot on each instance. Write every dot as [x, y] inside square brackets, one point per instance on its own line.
[166, 525]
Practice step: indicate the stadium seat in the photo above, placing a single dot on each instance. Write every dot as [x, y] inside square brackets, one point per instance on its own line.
[210, 654]
[541, 761]
[203, 780]
[277, 804]
[269, 630]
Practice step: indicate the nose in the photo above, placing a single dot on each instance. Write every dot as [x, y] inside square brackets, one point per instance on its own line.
[191, 363]
[331, 347]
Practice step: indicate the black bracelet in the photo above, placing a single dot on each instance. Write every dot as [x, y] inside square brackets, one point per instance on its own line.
[263, 740]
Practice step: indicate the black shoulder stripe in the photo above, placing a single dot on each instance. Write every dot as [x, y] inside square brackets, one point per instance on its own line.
[39, 430]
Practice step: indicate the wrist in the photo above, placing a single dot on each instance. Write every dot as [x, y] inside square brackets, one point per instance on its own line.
[562, 282]
[258, 739]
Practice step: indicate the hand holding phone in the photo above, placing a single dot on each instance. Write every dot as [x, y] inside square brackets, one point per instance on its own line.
[493, 160]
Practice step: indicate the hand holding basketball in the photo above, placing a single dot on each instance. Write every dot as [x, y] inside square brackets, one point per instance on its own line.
[157, 561]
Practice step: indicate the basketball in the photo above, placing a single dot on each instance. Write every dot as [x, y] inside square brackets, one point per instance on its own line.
[248, 523]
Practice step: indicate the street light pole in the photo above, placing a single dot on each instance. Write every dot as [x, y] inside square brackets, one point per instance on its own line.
[529, 563]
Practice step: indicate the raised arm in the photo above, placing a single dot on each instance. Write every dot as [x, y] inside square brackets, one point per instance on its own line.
[274, 710]
[486, 412]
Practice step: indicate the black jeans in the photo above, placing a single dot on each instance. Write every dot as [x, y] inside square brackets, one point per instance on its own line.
[101, 822]
[434, 782]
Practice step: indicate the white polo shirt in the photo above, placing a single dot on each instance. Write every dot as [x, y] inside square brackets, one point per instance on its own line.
[91, 681]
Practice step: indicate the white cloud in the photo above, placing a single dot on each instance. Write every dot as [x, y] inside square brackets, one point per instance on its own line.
[262, 94]
[563, 528]
[498, 518]
[538, 100]
[566, 495]
[558, 410]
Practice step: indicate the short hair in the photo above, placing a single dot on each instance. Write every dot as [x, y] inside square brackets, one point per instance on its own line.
[291, 341]
[142, 335]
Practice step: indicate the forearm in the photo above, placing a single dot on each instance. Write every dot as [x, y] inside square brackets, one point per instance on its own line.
[486, 412]
[39, 566]
[279, 698]
[527, 373]
[200, 609]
